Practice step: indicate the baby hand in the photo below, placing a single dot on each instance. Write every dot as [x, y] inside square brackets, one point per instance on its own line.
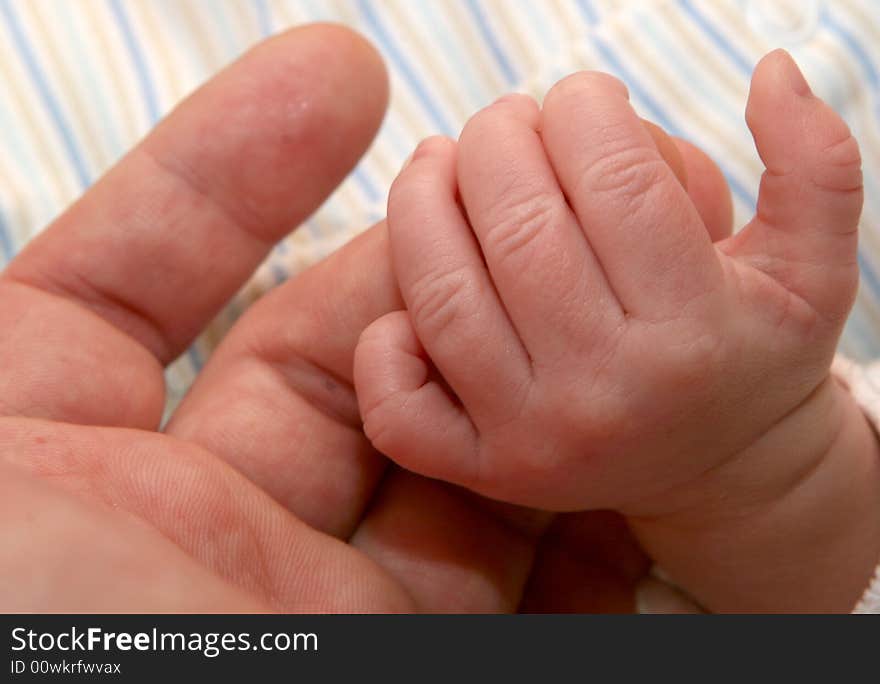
[573, 337]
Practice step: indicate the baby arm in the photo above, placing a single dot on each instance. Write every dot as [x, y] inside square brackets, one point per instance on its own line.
[573, 339]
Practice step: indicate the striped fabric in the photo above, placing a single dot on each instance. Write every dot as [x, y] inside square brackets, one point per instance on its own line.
[81, 81]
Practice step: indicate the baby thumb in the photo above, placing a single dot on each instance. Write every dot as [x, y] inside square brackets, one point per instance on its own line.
[804, 233]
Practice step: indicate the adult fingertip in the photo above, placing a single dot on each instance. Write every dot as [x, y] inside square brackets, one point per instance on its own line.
[365, 65]
[347, 72]
[298, 110]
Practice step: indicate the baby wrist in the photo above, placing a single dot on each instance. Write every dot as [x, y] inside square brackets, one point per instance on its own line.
[792, 523]
[863, 382]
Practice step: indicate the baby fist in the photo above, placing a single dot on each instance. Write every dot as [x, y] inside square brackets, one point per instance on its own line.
[573, 337]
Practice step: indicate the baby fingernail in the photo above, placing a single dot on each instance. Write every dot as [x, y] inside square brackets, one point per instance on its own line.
[796, 80]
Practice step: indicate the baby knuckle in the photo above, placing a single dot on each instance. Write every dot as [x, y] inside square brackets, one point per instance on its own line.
[440, 299]
[380, 423]
[372, 340]
[519, 223]
[405, 198]
[510, 408]
[839, 167]
[843, 152]
[604, 421]
[685, 365]
[630, 173]
[398, 201]
[380, 434]
[598, 414]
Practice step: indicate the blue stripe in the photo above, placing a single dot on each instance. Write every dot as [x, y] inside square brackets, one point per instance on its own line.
[854, 45]
[46, 95]
[313, 230]
[399, 61]
[437, 23]
[659, 115]
[231, 37]
[29, 164]
[661, 118]
[589, 12]
[6, 245]
[540, 22]
[868, 274]
[85, 60]
[279, 274]
[195, 358]
[690, 71]
[492, 42]
[137, 58]
[264, 17]
[742, 62]
[370, 190]
[234, 310]
[857, 338]
[745, 195]
[320, 12]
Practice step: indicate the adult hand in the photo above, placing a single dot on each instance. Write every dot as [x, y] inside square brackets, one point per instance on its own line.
[100, 511]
